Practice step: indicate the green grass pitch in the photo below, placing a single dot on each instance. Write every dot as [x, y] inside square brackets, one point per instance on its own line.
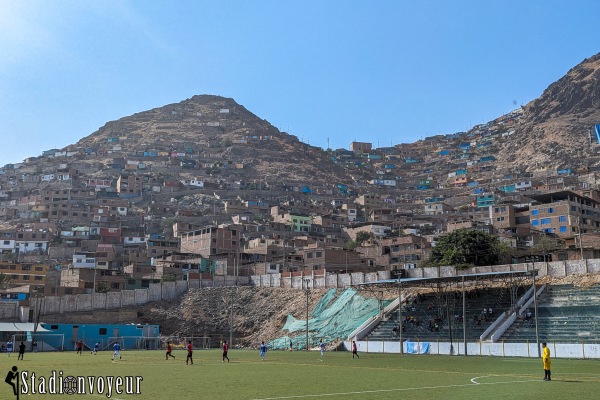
[305, 375]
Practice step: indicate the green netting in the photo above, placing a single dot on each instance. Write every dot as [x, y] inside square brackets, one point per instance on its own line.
[324, 302]
[332, 319]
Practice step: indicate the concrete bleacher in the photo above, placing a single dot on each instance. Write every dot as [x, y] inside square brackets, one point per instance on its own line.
[565, 314]
[499, 299]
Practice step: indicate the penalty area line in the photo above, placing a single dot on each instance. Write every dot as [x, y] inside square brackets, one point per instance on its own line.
[306, 396]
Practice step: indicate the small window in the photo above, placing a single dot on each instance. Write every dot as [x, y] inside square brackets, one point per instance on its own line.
[562, 229]
[550, 210]
[534, 222]
[562, 218]
[545, 221]
[53, 327]
[102, 331]
[534, 212]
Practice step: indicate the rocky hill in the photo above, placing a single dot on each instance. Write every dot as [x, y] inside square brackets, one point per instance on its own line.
[258, 313]
[229, 143]
[555, 128]
[208, 126]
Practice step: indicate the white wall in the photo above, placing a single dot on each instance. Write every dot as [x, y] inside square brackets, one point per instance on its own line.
[558, 350]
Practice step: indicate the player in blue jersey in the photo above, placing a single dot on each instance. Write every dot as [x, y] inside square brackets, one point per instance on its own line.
[96, 348]
[263, 350]
[117, 348]
[322, 347]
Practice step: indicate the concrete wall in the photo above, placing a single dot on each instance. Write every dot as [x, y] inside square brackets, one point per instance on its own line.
[113, 300]
[172, 290]
[558, 350]
[8, 310]
[154, 292]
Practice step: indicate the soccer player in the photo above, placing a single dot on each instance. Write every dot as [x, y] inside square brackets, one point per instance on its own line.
[354, 349]
[322, 347]
[21, 351]
[116, 348]
[79, 347]
[225, 349]
[169, 351]
[9, 347]
[546, 361]
[263, 351]
[189, 354]
[96, 348]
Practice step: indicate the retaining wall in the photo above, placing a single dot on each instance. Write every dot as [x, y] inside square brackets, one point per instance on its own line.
[172, 290]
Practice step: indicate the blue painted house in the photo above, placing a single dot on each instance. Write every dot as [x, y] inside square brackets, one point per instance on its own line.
[486, 200]
[508, 188]
[565, 171]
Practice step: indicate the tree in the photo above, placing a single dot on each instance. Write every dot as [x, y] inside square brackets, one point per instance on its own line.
[169, 278]
[544, 245]
[465, 247]
[350, 245]
[5, 281]
[363, 236]
[102, 287]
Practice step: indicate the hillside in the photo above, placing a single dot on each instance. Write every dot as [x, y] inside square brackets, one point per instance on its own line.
[555, 128]
[218, 141]
[208, 126]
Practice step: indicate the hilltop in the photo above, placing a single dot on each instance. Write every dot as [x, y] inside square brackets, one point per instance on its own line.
[208, 126]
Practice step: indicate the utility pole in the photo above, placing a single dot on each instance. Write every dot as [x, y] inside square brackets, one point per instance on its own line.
[580, 237]
[307, 281]
[231, 317]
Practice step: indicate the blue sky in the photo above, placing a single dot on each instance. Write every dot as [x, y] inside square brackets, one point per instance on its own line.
[384, 72]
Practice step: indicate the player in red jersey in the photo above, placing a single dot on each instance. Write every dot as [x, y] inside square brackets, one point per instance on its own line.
[169, 351]
[225, 349]
[189, 355]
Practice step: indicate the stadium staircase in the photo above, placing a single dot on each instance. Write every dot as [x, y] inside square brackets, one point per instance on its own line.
[566, 314]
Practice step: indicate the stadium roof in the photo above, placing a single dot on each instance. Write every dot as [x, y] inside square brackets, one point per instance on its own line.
[448, 279]
[21, 327]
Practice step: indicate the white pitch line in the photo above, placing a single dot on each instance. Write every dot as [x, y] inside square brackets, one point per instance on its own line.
[305, 396]
[474, 380]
